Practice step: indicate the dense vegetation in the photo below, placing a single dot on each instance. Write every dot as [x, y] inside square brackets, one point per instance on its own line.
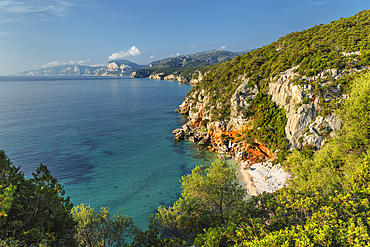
[327, 204]
[33, 210]
[268, 122]
[193, 60]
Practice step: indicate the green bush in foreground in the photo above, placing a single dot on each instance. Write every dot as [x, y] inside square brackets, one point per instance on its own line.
[101, 229]
[211, 197]
[33, 210]
[338, 220]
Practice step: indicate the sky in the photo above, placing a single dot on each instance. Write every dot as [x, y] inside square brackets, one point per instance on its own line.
[37, 34]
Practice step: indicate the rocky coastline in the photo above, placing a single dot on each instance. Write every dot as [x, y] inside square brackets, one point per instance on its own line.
[254, 167]
[191, 79]
[306, 123]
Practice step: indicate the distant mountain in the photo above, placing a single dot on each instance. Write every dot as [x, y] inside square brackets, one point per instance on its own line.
[185, 68]
[120, 67]
[194, 60]
[62, 70]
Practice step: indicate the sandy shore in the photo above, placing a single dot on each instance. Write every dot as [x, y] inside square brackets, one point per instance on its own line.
[261, 177]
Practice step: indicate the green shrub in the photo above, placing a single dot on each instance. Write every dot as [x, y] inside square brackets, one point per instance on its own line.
[305, 101]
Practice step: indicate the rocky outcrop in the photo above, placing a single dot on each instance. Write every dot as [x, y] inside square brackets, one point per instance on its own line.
[159, 76]
[305, 125]
[190, 78]
[140, 74]
[239, 101]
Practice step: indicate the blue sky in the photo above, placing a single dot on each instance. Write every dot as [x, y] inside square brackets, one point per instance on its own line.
[40, 33]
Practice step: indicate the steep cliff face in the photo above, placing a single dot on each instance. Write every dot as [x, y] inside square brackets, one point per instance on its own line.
[306, 123]
[302, 106]
[309, 121]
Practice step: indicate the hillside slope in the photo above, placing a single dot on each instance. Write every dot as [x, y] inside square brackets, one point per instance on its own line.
[281, 96]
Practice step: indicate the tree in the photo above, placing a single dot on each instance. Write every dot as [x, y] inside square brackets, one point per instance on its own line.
[102, 229]
[35, 210]
[6, 200]
[211, 197]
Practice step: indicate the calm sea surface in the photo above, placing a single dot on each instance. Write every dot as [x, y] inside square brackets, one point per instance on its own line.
[107, 140]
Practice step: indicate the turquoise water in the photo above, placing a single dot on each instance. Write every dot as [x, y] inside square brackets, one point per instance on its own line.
[107, 140]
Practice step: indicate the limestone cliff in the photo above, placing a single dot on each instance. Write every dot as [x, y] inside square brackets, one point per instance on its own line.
[305, 125]
[190, 78]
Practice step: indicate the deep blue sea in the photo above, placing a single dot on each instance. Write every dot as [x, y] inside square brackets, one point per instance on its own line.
[107, 140]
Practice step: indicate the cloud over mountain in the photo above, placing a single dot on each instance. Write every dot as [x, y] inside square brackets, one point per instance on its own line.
[133, 51]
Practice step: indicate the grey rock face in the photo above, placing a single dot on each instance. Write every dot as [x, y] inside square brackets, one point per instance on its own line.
[304, 126]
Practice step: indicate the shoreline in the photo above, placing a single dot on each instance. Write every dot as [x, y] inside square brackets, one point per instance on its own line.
[245, 178]
[261, 177]
[257, 174]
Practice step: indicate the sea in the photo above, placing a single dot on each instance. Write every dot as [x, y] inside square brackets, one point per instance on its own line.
[108, 140]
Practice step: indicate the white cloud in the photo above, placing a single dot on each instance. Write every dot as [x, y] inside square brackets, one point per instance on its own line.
[133, 51]
[223, 47]
[97, 65]
[6, 20]
[5, 33]
[55, 7]
[79, 62]
[323, 2]
[151, 57]
[55, 63]
[51, 64]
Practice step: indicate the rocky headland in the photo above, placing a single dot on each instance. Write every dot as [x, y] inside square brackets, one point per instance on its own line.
[305, 125]
[311, 121]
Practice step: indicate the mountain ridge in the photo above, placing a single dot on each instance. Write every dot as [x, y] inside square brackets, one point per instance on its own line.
[124, 67]
[185, 68]
[118, 67]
